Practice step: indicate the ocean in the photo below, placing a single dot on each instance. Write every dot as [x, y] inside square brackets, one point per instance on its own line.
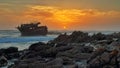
[12, 38]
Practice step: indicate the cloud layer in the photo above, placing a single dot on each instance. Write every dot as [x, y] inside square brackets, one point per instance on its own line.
[58, 16]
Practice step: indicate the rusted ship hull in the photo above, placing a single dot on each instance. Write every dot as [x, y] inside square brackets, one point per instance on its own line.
[32, 29]
[34, 33]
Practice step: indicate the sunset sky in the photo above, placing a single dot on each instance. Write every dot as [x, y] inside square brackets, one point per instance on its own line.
[62, 14]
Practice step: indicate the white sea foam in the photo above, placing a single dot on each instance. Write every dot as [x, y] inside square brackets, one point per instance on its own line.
[13, 39]
[10, 38]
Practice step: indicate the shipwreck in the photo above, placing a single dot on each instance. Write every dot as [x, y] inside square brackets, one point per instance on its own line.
[32, 29]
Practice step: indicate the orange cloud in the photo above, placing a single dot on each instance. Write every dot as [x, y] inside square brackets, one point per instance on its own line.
[61, 18]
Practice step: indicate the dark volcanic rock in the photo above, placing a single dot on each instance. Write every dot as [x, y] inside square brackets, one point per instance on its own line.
[62, 38]
[76, 53]
[75, 37]
[56, 63]
[9, 53]
[87, 49]
[8, 50]
[11, 50]
[105, 60]
[3, 61]
[39, 47]
[78, 36]
[96, 53]
[99, 36]
[44, 50]
[2, 51]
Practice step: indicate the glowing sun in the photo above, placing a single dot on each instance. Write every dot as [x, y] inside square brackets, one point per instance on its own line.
[65, 27]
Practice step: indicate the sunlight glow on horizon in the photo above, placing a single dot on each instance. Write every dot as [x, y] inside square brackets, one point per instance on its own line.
[62, 18]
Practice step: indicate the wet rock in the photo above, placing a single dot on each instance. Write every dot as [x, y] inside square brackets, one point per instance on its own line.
[75, 53]
[104, 60]
[81, 64]
[67, 60]
[96, 53]
[3, 61]
[75, 37]
[8, 50]
[13, 55]
[39, 47]
[99, 36]
[60, 44]
[78, 36]
[52, 52]
[11, 50]
[56, 63]
[87, 49]
[2, 51]
[62, 38]
[10, 53]
[64, 48]
[116, 35]
[82, 56]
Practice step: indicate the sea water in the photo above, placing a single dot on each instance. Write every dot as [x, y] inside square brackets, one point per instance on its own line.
[12, 38]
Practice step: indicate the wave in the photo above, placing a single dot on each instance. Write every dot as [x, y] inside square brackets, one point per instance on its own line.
[25, 39]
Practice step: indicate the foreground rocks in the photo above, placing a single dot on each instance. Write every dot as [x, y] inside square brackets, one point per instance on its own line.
[78, 50]
[7, 54]
[44, 56]
[10, 53]
[3, 61]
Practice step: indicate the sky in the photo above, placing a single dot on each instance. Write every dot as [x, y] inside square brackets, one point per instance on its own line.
[62, 14]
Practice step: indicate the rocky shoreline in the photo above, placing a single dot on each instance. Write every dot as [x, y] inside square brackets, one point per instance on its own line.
[78, 50]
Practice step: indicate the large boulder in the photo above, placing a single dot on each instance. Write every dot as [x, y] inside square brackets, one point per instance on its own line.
[62, 38]
[8, 50]
[78, 37]
[40, 46]
[3, 61]
[10, 53]
[11, 50]
[2, 51]
[75, 37]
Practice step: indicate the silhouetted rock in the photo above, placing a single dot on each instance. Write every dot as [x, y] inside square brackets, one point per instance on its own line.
[99, 36]
[9, 53]
[75, 37]
[62, 38]
[9, 50]
[78, 36]
[2, 51]
[3, 61]
[39, 47]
